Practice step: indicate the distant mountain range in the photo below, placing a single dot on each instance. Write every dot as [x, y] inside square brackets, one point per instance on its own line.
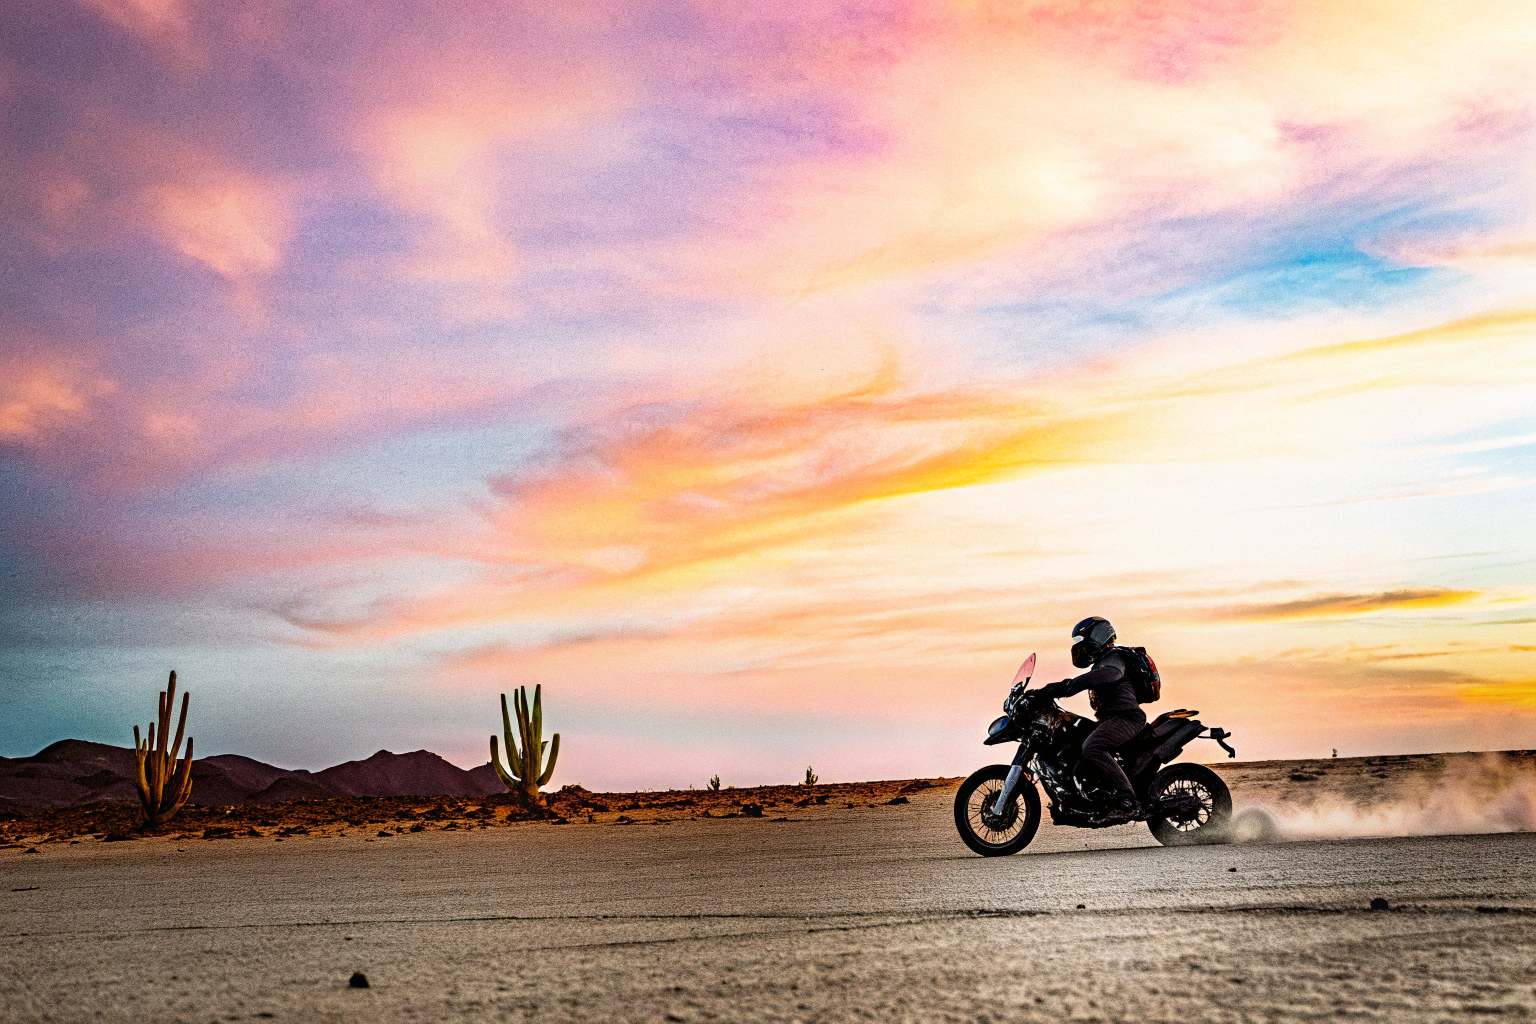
[72, 772]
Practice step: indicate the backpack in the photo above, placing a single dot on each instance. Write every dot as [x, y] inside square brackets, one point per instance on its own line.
[1141, 670]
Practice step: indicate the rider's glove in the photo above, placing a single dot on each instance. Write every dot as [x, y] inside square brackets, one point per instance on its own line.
[1053, 690]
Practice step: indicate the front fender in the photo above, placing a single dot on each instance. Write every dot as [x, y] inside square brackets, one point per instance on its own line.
[1002, 730]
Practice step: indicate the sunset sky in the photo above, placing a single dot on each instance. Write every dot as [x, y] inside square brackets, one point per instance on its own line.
[765, 381]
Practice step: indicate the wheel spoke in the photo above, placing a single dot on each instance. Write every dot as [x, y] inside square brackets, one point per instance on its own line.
[1206, 799]
[978, 812]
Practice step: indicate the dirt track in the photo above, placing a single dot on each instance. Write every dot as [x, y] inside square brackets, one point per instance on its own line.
[866, 913]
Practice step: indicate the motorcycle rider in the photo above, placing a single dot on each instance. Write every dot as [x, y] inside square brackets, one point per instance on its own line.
[1114, 704]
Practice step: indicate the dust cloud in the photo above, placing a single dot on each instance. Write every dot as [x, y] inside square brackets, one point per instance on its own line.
[1471, 795]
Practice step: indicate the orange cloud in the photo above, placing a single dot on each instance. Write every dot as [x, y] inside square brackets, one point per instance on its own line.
[1444, 353]
[723, 478]
[1348, 605]
[1514, 693]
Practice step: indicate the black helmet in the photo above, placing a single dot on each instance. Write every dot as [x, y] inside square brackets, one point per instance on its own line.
[1090, 639]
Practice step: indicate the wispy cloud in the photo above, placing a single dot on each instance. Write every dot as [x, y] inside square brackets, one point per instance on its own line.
[1347, 605]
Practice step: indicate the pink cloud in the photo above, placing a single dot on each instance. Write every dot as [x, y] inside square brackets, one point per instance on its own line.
[156, 20]
[236, 226]
[43, 393]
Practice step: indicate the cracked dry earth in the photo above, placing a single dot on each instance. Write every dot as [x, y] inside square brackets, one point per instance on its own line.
[872, 913]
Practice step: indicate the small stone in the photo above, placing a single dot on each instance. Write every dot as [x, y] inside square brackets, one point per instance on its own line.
[897, 800]
[752, 810]
[1231, 869]
[385, 835]
[1082, 906]
[1380, 904]
[358, 980]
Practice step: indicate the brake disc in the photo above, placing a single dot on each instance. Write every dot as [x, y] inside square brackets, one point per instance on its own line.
[1001, 822]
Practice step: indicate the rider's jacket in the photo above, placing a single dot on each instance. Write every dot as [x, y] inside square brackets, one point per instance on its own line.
[1113, 694]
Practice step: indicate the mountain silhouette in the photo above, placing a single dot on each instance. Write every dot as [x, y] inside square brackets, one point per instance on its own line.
[72, 772]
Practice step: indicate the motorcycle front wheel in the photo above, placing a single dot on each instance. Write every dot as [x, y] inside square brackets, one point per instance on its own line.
[994, 835]
[1211, 821]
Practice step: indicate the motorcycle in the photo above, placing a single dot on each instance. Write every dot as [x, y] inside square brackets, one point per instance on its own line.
[997, 809]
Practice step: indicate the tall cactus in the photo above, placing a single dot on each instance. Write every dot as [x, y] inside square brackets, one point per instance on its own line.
[524, 776]
[162, 789]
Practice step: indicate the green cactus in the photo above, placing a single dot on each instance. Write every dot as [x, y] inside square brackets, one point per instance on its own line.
[811, 777]
[163, 790]
[524, 775]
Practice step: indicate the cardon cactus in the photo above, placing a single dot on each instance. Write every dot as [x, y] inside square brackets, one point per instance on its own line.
[163, 790]
[525, 776]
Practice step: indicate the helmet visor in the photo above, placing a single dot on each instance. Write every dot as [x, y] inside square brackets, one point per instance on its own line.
[1082, 655]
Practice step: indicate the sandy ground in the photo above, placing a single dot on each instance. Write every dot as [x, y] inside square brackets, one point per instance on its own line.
[833, 914]
[383, 817]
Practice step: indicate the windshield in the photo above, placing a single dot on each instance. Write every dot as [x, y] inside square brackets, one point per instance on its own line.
[1025, 670]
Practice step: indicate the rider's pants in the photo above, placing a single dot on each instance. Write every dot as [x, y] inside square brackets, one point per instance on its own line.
[1098, 765]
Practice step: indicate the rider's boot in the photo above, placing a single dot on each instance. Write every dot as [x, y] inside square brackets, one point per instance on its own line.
[1126, 809]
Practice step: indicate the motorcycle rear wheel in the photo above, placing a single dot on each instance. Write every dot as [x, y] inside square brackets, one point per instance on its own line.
[996, 836]
[1213, 823]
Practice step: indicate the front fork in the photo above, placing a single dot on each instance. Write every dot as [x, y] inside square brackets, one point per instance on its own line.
[1011, 783]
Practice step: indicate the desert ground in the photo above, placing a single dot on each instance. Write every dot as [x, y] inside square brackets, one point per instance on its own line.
[810, 911]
